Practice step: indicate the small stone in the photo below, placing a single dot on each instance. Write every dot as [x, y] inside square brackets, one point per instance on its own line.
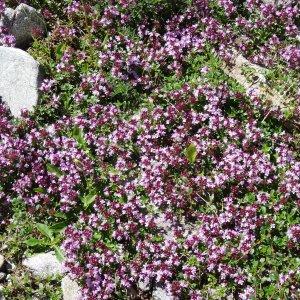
[43, 264]
[70, 289]
[27, 23]
[144, 286]
[9, 267]
[2, 261]
[7, 17]
[4, 247]
[160, 293]
[20, 78]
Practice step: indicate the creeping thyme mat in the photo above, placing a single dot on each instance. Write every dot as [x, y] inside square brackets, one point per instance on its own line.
[145, 166]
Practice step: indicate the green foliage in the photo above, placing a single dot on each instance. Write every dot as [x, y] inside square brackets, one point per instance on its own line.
[88, 199]
[54, 170]
[50, 238]
[24, 286]
[191, 153]
[22, 237]
[27, 235]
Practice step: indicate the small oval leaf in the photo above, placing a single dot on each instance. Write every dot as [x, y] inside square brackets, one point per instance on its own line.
[191, 153]
[31, 242]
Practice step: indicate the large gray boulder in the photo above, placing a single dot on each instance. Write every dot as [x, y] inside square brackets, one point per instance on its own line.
[20, 78]
[23, 23]
[43, 264]
[46, 265]
[27, 23]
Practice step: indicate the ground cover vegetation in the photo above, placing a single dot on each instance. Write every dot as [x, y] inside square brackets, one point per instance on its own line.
[145, 164]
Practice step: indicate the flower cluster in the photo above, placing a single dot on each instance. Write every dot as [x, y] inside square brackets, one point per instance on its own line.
[294, 233]
[157, 217]
[141, 59]
[5, 38]
[168, 175]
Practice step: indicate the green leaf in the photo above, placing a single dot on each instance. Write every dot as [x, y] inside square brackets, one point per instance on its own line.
[271, 289]
[54, 170]
[60, 51]
[191, 153]
[31, 242]
[266, 149]
[157, 239]
[58, 227]
[45, 230]
[263, 209]
[60, 215]
[111, 245]
[59, 253]
[39, 190]
[97, 236]
[78, 136]
[106, 38]
[88, 199]
[192, 261]
[250, 197]
[85, 68]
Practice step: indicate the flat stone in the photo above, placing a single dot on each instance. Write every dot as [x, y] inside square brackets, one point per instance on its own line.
[43, 264]
[20, 78]
[70, 289]
[280, 2]
[258, 81]
[27, 22]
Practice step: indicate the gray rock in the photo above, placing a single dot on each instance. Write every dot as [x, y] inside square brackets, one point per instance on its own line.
[23, 23]
[160, 293]
[257, 83]
[9, 267]
[43, 264]
[5, 267]
[280, 2]
[143, 286]
[20, 78]
[27, 22]
[7, 17]
[70, 289]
